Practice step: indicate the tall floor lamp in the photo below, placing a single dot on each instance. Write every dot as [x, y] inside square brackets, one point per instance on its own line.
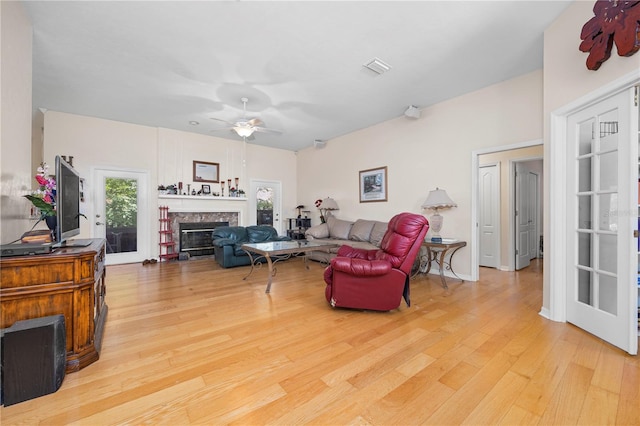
[437, 199]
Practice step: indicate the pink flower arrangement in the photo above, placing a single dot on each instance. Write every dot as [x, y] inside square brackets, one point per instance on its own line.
[44, 198]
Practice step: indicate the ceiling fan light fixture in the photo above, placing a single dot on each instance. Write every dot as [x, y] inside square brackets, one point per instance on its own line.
[244, 132]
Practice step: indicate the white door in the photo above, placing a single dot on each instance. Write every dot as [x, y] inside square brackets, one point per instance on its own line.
[122, 215]
[522, 219]
[601, 206]
[533, 182]
[489, 215]
[265, 206]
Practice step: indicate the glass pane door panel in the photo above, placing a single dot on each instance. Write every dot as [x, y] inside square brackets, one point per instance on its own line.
[608, 212]
[608, 253]
[609, 131]
[584, 212]
[584, 174]
[585, 137]
[608, 293]
[121, 202]
[584, 249]
[609, 171]
[264, 206]
[584, 286]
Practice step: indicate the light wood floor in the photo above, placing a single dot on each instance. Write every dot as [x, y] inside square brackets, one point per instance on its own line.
[191, 343]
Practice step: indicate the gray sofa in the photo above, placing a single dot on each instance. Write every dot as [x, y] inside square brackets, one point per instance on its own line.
[366, 234]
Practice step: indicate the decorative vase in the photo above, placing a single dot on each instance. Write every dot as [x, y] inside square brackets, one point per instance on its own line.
[52, 224]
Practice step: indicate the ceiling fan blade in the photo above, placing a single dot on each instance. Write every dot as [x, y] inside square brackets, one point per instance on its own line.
[222, 129]
[230, 123]
[254, 122]
[267, 130]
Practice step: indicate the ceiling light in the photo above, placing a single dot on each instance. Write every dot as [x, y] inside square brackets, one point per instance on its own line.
[378, 66]
[244, 132]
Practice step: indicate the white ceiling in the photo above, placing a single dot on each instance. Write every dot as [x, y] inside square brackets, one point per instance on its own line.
[300, 63]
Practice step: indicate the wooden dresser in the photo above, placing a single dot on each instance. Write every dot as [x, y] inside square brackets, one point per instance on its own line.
[69, 281]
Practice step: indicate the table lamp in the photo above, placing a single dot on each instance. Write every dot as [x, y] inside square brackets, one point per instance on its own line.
[326, 206]
[437, 199]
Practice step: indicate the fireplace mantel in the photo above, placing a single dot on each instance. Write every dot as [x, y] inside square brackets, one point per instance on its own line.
[200, 198]
[205, 204]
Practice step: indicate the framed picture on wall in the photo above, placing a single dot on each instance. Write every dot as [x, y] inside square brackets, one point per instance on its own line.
[206, 172]
[373, 185]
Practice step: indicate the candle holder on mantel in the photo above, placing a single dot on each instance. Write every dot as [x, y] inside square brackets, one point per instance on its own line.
[237, 183]
[222, 188]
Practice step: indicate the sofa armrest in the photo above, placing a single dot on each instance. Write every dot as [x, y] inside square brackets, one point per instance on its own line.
[357, 253]
[221, 242]
[361, 267]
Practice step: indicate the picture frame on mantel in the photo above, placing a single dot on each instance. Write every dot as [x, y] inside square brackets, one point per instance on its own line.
[206, 172]
[206, 189]
[373, 185]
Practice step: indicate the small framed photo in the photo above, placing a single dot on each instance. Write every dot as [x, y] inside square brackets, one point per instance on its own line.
[373, 185]
[206, 189]
[206, 172]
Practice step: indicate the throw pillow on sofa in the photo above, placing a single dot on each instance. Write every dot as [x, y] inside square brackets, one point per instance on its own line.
[318, 231]
[378, 231]
[339, 229]
[361, 230]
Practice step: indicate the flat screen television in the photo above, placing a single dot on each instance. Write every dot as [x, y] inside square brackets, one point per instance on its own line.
[67, 201]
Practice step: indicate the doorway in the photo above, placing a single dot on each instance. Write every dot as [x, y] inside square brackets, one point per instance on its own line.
[265, 205]
[121, 214]
[504, 158]
[527, 211]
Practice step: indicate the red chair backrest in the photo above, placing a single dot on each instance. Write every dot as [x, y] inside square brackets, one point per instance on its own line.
[402, 241]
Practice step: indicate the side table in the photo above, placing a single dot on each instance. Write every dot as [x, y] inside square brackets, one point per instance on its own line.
[438, 252]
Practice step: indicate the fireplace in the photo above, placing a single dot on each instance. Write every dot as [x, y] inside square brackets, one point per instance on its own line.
[195, 238]
[192, 230]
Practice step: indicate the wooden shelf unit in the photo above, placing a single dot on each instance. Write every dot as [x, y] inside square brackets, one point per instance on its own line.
[167, 245]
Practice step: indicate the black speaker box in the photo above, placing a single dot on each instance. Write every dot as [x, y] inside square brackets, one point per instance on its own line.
[34, 358]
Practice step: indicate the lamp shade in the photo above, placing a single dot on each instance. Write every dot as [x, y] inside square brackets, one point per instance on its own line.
[438, 199]
[329, 204]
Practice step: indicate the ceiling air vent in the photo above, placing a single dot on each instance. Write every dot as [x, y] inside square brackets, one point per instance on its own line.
[378, 66]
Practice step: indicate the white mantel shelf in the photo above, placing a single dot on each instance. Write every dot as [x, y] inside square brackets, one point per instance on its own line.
[205, 204]
[200, 197]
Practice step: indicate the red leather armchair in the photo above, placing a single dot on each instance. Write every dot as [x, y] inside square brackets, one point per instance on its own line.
[377, 279]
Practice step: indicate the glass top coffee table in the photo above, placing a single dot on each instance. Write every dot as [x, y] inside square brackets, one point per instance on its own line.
[276, 251]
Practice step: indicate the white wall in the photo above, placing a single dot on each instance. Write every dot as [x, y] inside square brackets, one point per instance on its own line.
[15, 120]
[166, 155]
[567, 79]
[433, 151]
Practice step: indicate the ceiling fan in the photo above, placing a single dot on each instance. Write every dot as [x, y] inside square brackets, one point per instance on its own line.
[245, 127]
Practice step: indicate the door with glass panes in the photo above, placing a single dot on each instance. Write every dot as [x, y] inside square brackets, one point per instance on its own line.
[602, 213]
[121, 214]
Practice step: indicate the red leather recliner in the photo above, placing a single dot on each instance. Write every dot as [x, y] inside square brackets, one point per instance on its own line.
[377, 279]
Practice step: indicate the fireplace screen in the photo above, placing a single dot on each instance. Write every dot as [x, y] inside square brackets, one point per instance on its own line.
[196, 238]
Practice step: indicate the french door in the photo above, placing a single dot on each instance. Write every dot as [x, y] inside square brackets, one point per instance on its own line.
[265, 206]
[602, 212]
[122, 215]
